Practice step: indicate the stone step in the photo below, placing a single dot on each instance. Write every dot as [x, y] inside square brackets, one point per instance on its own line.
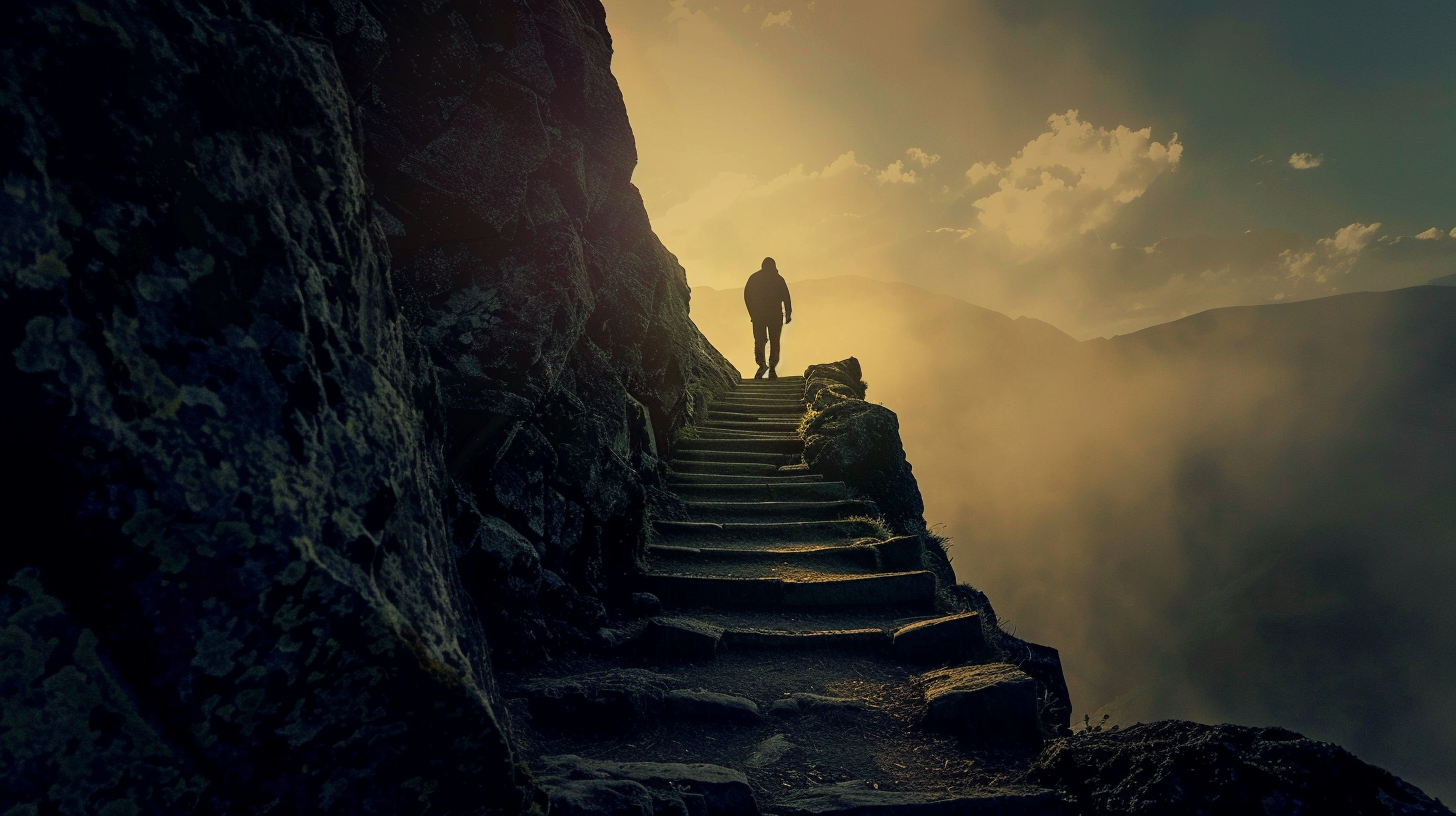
[770, 476]
[757, 407]
[771, 433]
[727, 511]
[713, 534]
[862, 799]
[898, 554]
[772, 491]
[767, 392]
[710, 470]
[680, 456]
[773, 444]
[752, 424]
[916, 588]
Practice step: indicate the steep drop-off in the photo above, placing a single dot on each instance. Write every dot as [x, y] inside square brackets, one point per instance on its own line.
[341, 365]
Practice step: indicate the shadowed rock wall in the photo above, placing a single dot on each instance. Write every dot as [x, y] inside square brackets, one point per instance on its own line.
[271, 490]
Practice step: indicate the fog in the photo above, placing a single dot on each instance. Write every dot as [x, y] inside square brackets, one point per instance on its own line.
[1244, 516]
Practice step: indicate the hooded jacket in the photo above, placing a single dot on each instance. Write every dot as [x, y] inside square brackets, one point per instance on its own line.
[767, 297]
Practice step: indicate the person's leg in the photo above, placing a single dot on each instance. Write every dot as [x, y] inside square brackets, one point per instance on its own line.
[760, 336]
[775, 331]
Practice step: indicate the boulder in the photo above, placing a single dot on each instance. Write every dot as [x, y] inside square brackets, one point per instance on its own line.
[858, 443]
[951, 639]
[711, 707]
[1175, 767]
[710, 790]
[600, 797]
[993, 704]
[646, 604]
[603, 702]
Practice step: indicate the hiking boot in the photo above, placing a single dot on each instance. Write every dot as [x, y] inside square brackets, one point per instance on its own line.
[758, 375]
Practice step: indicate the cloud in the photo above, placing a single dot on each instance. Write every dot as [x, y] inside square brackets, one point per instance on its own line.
[1432, 234]
[1330, 256]
[1452, 233]
[980, 172]
[781, 18]
[1072, 180]
[922, 158]
[1305, 161]
[1350, 240]
[960, 234]
[897, 174]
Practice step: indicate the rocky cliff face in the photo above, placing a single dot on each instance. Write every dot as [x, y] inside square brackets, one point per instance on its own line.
[338, 340]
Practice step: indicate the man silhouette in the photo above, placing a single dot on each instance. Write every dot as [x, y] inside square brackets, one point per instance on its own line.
[767, 297]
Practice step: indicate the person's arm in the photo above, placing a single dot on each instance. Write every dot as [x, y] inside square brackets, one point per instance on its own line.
[788, 303]
[746, 303]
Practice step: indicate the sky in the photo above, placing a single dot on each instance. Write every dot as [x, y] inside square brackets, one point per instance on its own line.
[1102, 167]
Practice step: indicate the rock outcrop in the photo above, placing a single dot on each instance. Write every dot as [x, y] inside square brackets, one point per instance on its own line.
[857, 442]
[338, 348]
[1176, 767]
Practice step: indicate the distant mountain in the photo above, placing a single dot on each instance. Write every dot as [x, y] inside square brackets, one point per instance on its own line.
[1245, 515]
[1444, 280]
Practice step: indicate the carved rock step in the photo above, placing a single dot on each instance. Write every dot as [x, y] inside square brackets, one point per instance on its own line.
[751, 407]
[795, 384]
[897, 554]
[776, 459]
[683, 479]
[860, 799]
[762, 490]
[766, 444]
[774, 532]
[790, 431]
[729, 511]
[896, 588]
[749, 423]
[703, 635]
[710, 468]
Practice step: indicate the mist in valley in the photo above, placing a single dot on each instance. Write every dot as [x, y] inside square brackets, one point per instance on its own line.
[1247, 515]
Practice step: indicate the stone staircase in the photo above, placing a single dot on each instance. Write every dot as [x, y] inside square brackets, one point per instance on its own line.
[798, 662]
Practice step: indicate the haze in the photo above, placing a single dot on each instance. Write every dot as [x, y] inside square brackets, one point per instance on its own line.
[1102, 168]
[1242, 517]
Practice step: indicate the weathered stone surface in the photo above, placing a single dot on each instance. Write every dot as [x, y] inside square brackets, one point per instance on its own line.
[769, 751]
[1175, 767]
[604, 702]
[681, 639]
[858, 443]
[602, 797]
[1043, 663]
[646, 604]
[718, 791]
[70, 733]
[801, 703]
[993, 704]
[234, 437]
[500, 156]
[859, 799]
[301, 303]
[949, 639]
[711, 706]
